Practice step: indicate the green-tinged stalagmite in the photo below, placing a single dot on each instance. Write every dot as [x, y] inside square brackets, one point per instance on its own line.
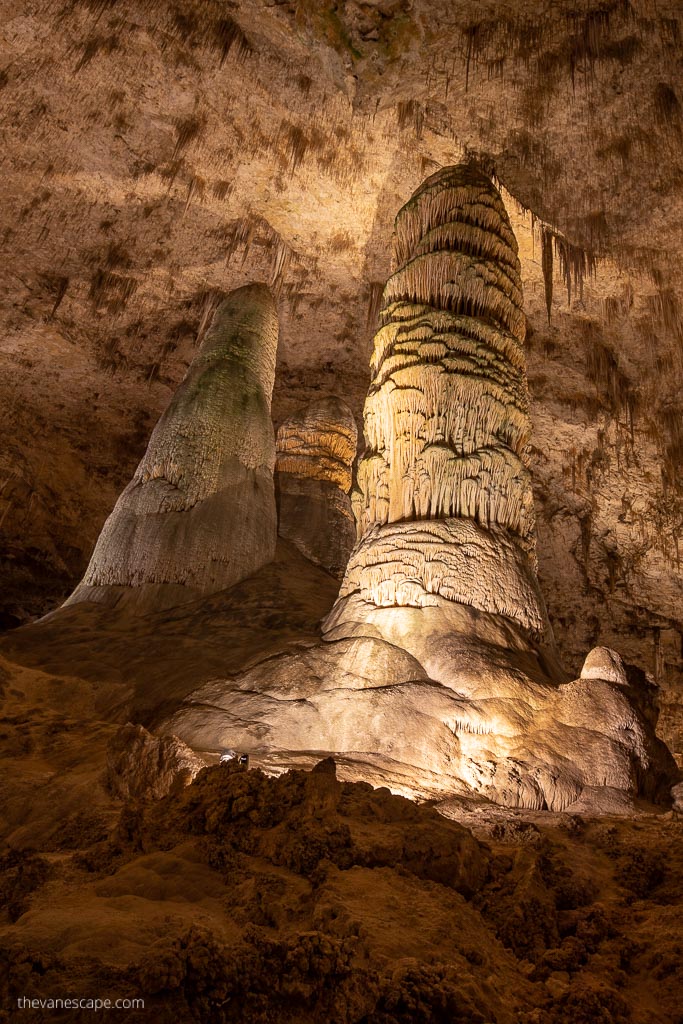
[199, 514]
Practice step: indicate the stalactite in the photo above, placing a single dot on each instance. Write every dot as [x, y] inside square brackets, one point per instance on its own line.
[208, 300]
[221, 34]
[251, 230]
[281, 261]
[411, 112]
[591, 35]
[614, 388]
[226, 35]
[667, 106]
[374, 301]
[187, 130]
[297, 144]
[195, 187]
[222, 189]
[547, 265]
[575, 264]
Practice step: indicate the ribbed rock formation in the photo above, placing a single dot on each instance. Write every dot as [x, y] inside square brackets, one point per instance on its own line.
[434, 676]
[315, 450]
[199, 514]
[443, 501]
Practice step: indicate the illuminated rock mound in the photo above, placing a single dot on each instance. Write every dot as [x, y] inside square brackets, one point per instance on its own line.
[438, 672]
[199, 514]
[315, 450]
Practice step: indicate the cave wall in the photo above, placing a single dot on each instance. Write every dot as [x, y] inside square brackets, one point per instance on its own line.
[158, 155]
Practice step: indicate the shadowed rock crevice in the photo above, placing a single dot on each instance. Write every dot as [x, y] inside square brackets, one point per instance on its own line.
[316, 449]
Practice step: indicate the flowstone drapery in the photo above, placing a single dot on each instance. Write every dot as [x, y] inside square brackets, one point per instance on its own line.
[443, 502]
[199, 514]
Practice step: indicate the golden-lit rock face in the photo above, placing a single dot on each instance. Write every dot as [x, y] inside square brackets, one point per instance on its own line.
[447, 410]
[316, 449]
[443, 502]
[319, 443]
[199, 514]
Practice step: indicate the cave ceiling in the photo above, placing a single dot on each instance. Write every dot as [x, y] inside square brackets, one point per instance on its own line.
[157, 155]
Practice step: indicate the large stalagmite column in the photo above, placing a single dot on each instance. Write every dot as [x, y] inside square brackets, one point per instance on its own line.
[199, 514]
[443, 503]
[436, 673]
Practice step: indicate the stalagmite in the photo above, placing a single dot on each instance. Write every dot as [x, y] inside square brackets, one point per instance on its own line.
[315, 450]
[443, 501]
[437, 671]
[199, 514]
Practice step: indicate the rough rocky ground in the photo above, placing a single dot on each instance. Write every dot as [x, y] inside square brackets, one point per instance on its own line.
[297, 898]
[302, 899]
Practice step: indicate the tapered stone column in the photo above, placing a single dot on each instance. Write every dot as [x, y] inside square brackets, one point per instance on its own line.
[443, 502]
[199, 514]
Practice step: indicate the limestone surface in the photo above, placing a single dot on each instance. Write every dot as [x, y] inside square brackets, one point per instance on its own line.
[143, 766]
[439, 670]
[443, 502]
[441, 700]
[604, 663]
[315, 451]
[199, 514]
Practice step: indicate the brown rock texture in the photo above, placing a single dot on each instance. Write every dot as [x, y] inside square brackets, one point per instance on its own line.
[300, 899]
[315, 453]
[140, 765]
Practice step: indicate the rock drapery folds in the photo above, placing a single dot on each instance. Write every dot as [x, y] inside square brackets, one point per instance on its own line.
[444, 479]
[199, 514]
[316, 449]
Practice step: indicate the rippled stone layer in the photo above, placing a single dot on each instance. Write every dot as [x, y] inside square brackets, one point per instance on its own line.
[316, 449]
[446, 418]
